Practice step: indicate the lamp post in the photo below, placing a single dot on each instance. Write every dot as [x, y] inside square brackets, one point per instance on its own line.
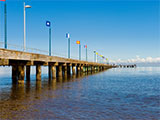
[79, 51]
[25, 6]
[78, 42]
[48, 24]
[86, 52]
[69, 49]
[5, 25]
[94, 56]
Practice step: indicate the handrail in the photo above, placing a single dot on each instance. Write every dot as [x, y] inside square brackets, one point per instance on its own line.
[35, 50]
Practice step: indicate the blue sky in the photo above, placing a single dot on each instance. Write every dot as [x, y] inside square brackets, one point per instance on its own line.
[118, 29]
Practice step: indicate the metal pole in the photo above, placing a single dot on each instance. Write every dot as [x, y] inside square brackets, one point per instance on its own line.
[50, 41]
[0, 35]
[5, 25]
[79, 51]
[24, 44]
[96, 58]
[69, 49]
[49, 67]
[86, 54]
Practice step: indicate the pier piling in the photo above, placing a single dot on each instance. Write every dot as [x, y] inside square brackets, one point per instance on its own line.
[38, 72]
[28, 72]
[53, 70]
[20, 74]
[74, 70]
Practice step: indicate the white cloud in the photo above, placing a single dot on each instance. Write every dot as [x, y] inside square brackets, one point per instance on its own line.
[136, 60]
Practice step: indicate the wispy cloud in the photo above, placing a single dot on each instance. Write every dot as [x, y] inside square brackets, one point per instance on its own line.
[137, 60]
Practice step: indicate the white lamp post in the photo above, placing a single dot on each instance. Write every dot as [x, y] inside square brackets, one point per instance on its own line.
[25, 6]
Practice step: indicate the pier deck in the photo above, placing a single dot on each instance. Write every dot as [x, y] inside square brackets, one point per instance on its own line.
[58, 66]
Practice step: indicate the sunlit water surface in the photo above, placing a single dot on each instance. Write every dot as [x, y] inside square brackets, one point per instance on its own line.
[116, 94]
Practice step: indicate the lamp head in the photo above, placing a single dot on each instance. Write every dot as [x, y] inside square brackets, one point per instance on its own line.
[27, 6]
[48, 23]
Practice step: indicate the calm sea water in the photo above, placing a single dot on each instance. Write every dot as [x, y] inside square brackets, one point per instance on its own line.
[116, 94]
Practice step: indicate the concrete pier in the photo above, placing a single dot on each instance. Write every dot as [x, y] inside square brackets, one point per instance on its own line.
[28, 72]
[53, 71]
[74, 70]
[78, 69]
[81, 68]
[58, 66]
[92, 69]
[20, 74]
[64, 70]
[49, 71]
[14, 73]
[89, 69]
[59, 70]
[98, 69]
[69, 70]
[86, 68]
[38, 72]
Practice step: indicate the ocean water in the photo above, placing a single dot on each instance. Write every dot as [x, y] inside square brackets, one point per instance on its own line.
[115, 94]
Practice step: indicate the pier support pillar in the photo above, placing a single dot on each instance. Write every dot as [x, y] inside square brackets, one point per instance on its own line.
[95, 68]
[89, 69]
[14, 73]
[49, 71]
[60, 74]
[92, 69]
[98, 69]
[103, 68]
[20, 74]
[28, 72]
[81, 69]
[78, 69]
[65, 70]
[38, 72]
[86, 69]
[73, 70]
[53, 71]
[69, 70]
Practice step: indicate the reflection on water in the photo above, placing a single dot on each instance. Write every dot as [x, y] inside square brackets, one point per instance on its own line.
[117, 94]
